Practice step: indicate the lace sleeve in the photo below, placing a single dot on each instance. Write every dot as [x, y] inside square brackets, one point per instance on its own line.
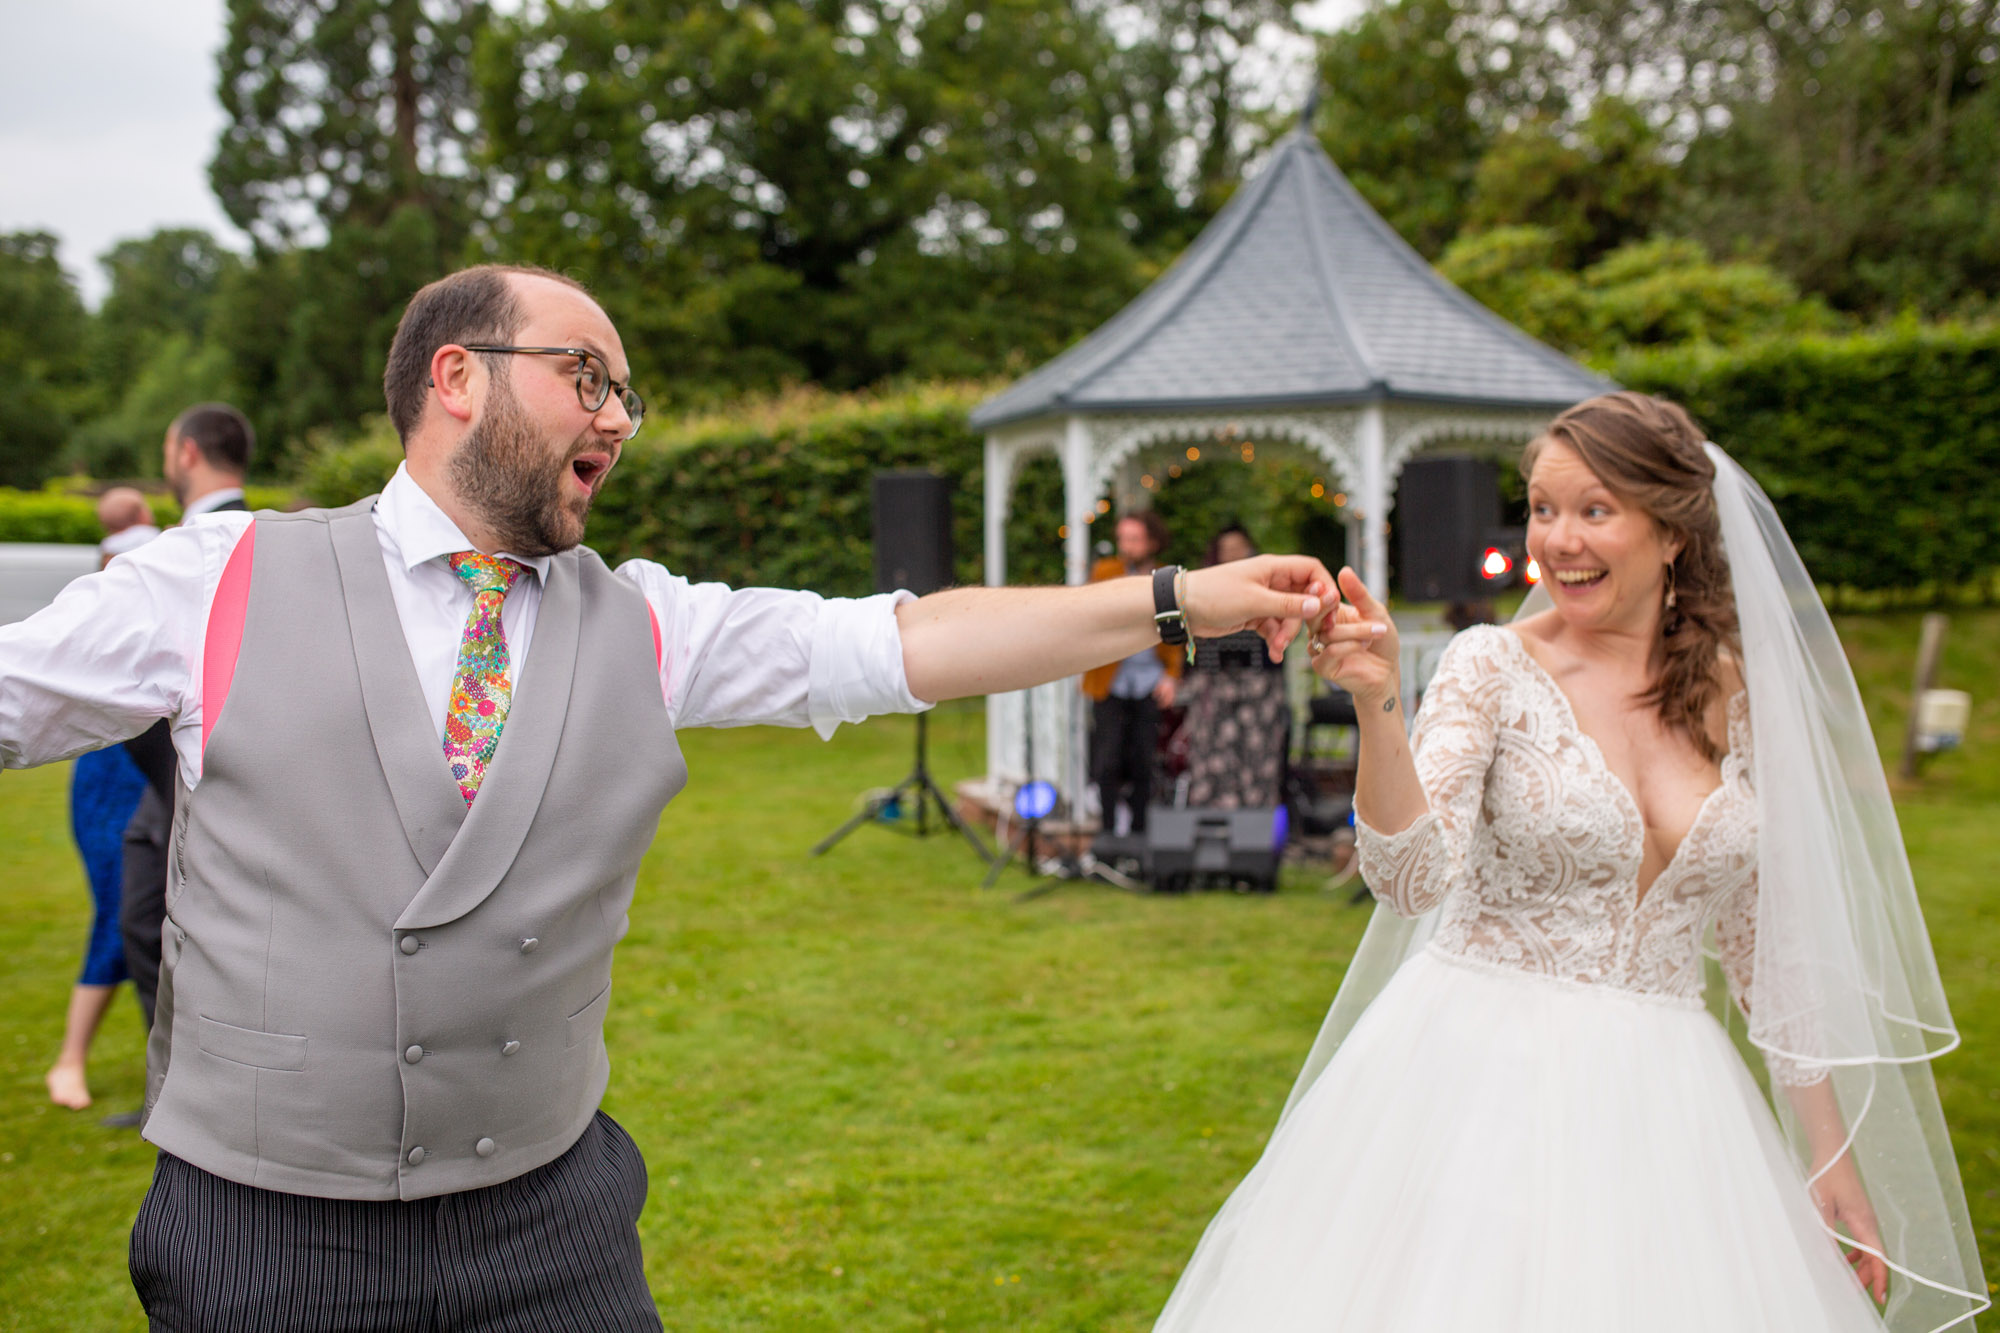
[1412, 870]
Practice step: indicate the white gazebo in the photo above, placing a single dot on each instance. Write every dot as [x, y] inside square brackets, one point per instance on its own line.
[1298, 317]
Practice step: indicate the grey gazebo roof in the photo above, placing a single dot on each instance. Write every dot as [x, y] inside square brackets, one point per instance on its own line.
[1297, 293]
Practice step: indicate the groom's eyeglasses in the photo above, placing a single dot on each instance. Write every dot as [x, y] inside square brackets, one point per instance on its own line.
[594, 385]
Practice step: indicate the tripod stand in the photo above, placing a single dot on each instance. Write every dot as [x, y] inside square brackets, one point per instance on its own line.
[1033, 802]
[1040, 798]
[918, 784]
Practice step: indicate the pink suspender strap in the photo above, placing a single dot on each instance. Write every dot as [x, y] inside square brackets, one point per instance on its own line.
[659, 653]
[224, 640]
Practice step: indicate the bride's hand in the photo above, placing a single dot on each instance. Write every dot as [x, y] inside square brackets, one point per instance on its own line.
[1354, 645]
[1843, 1202]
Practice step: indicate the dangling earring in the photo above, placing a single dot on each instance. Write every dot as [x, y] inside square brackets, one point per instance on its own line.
[1670, 588]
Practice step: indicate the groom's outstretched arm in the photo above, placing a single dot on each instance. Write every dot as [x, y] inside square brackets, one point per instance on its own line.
[985, 640]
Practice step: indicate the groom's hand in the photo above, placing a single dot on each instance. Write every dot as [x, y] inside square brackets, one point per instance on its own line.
[1271, 594]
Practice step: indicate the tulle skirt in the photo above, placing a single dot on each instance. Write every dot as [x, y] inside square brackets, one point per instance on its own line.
[1511, 1154]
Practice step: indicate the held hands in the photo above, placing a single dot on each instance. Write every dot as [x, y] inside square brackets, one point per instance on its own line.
[1843, 1202]
[1271, 594]
[1354, 644]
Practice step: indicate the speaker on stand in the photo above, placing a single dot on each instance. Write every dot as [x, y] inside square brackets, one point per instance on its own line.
[912, 512]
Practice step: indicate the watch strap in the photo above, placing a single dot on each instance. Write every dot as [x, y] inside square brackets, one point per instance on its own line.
[1166, 607]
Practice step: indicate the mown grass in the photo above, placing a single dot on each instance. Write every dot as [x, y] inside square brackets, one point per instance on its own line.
[873, 1096]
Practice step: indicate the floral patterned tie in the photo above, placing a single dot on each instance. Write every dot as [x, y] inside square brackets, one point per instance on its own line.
[480, 689]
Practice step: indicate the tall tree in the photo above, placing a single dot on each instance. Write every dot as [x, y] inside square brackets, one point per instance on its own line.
[160, 285]
[351, 134]
[1595, 187]
[1867, 165]
[1404, 115]
[45, 380]
[842, 191]
[1183, 91]
[777, 190]
[339, 114]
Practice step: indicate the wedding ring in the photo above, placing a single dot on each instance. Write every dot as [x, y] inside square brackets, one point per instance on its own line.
[1317, 647]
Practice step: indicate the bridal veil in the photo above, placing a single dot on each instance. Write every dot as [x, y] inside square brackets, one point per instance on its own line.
[1845, 985]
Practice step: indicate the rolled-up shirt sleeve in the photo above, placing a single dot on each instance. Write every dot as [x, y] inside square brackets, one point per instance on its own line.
[113, 653]
[734, 657]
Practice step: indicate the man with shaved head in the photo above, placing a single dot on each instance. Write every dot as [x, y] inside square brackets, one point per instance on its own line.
[425, 740]
[127, 519]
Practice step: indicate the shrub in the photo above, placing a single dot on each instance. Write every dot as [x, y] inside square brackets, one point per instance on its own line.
[1643, 294]
[776, 490]
[66, 509]
[1880, 450]
[336, 474]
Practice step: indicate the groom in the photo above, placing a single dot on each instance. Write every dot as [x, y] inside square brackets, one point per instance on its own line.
[424, 742]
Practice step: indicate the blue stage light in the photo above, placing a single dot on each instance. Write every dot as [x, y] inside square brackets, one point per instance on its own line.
[1034, 800]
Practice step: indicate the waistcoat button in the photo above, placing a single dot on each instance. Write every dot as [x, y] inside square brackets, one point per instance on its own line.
[414, 1054]
[528, 945]
[510, 1048]
[486, 1147]
[416, 1156]
[409, 944]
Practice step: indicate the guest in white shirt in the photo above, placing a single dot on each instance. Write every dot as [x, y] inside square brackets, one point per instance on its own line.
[204, 456]
[509, 389]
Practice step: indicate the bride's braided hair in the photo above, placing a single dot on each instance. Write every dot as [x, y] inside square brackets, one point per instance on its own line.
[1650, 451]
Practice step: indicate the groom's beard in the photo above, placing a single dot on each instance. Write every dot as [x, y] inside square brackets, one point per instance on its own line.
[506, 474]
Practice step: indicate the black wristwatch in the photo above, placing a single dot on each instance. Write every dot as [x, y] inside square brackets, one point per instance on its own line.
[1167, 608]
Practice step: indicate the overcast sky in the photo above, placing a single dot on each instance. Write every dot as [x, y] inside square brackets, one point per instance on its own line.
[108, 119]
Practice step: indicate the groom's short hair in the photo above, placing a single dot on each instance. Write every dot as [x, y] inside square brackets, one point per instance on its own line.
[475, 304]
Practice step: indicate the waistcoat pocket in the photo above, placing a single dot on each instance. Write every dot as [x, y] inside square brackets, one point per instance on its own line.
[587, 1020]
[247, 1046]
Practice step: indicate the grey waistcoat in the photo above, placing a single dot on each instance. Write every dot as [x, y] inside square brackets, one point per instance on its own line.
[369, 991]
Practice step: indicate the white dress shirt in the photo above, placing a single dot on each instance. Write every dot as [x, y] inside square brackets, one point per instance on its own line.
[222, 495]
[119, 648]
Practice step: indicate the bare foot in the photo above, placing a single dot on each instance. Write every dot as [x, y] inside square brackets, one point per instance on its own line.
[67, 1087]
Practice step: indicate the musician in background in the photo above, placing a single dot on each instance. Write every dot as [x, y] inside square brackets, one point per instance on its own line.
[1127, 696]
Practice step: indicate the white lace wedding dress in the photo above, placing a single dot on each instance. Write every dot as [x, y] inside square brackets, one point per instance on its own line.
[1536, 1127]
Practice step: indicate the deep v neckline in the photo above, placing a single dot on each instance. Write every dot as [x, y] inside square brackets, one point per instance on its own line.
[1642, 892]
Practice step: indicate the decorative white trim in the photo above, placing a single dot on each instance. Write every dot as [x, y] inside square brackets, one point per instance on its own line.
[1411, 430]
[1327, 435]
[1363, 445]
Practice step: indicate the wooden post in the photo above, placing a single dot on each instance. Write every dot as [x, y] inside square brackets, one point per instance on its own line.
[1930, 649]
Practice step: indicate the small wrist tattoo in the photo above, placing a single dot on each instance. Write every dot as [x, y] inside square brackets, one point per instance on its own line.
[1389, 704]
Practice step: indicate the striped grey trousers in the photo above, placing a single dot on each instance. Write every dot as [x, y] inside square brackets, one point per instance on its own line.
[552, 1251]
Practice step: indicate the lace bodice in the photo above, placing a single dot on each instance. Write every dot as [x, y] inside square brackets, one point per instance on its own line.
[1532, 846]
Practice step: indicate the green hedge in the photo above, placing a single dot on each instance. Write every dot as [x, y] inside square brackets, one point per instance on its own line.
[66, 510]
[1881, 450]
[777, 492]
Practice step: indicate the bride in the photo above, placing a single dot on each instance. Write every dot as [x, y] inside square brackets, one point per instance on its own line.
[1519, 1116]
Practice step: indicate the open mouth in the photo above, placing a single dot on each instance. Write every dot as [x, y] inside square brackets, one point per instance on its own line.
[590, 469]
[1579, 578]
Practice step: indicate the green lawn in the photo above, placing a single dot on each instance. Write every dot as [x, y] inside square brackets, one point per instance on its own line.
[874, 1097]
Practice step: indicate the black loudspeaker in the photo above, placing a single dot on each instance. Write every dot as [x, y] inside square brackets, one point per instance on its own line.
[1446, 510]
[1187, 844]
[912, 532]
